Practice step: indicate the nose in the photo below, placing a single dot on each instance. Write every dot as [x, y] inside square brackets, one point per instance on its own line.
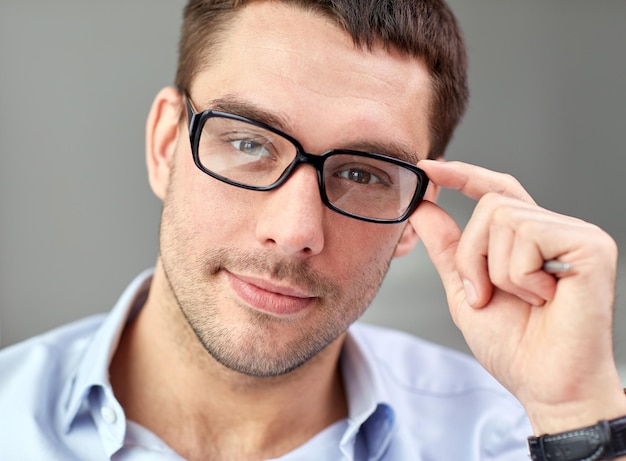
[291, 216]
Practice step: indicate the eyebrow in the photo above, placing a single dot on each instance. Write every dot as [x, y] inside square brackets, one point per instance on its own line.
[398, 150]
[234, 105]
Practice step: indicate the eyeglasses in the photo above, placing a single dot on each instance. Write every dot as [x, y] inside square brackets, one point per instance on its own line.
[255, 156]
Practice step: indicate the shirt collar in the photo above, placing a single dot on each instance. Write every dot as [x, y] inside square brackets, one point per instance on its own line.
[370, 417]
[93, 367]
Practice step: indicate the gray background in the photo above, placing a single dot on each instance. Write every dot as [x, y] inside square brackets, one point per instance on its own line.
[77, 218]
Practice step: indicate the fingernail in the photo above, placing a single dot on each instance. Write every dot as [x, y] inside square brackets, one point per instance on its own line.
[470, 292]
[534, 300]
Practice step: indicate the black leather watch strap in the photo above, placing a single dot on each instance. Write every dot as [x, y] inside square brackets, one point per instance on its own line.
[605, 440]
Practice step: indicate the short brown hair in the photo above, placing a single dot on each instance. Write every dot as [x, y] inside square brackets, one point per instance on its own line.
[422, 28]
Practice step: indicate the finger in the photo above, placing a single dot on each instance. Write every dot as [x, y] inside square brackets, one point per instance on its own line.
[520, 238]
[473, 181]
[526, 270]
[440, 235]
[515, 264]
[483, 252]
[501, 266]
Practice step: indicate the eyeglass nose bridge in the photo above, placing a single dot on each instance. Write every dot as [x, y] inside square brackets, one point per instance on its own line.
[304, 158]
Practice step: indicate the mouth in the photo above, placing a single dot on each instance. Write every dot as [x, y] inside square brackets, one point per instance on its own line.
[268, 297]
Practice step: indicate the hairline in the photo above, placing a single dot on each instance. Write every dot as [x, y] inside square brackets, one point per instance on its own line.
[206, 56]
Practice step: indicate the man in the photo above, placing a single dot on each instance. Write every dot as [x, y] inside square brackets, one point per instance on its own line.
[285, 160]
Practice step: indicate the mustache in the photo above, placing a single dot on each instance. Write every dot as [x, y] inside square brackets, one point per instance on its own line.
[264, 264]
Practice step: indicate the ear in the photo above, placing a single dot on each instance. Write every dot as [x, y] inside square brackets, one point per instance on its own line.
[409, 237]
[162, 132]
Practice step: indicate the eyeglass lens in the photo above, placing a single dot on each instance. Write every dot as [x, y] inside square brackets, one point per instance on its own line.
[253, 156]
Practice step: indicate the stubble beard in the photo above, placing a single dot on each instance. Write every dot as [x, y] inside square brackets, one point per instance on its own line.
[256, 346]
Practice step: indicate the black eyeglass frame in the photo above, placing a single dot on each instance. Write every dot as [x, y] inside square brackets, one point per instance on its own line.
[196, 122]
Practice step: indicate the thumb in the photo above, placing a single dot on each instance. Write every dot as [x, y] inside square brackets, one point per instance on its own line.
[440, 235]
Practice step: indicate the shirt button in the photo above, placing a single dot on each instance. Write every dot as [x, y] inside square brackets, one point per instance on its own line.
[108, 414]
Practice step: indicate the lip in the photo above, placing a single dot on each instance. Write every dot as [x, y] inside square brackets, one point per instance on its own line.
[268, 297]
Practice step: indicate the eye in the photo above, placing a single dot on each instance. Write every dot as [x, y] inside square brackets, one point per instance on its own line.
[250, 147]
[360, 176]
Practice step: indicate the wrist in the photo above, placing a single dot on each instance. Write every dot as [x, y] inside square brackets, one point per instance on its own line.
[605, 440]
[573, 414]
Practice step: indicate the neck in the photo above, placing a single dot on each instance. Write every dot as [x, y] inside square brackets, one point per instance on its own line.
[212, 412]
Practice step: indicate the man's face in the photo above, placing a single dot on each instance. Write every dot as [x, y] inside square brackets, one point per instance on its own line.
[268, 279]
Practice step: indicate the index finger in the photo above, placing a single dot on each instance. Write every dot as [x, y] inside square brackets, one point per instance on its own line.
[473, 181]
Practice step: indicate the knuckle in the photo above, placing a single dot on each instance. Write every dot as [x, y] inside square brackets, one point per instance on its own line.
[604, 242]
[526, 229]
[490, 203]
[501, 214]
[517, 278]
[510, 185]
[500, 279]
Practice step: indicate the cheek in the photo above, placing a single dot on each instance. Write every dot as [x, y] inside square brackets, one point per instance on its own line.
[218, 206]
[362, 251]
[204, 211]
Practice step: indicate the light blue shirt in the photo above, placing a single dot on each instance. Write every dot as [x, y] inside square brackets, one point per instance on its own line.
[407, 400]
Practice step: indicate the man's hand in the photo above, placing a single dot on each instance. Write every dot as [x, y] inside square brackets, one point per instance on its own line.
[547, 338]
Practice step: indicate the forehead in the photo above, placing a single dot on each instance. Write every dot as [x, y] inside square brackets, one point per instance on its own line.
[302, 67]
